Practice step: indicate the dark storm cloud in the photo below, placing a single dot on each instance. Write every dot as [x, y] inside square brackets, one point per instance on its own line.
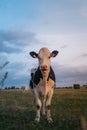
[13, 41]
[16, 35]
[6, 49]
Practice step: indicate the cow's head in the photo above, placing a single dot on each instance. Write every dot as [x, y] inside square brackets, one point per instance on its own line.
[44, 56]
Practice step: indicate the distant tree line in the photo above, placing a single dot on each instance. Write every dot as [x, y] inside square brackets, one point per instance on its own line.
[75, 86]
[12, 87]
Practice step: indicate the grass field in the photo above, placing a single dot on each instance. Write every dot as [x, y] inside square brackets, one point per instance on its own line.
[69, 110]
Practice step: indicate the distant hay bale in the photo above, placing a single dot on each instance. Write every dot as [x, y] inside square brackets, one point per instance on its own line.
[76, 86]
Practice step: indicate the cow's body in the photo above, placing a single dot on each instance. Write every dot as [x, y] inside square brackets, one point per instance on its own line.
[43, 82]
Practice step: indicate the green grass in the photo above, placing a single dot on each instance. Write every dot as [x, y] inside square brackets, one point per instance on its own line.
[69, 110]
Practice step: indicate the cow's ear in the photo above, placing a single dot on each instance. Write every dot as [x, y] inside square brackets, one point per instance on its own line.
[54, 53]
[33, 54]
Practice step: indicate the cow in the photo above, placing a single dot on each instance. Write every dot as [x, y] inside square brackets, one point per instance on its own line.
[43, 82]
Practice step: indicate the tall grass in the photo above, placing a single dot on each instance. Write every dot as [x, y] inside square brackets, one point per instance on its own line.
[69, 110]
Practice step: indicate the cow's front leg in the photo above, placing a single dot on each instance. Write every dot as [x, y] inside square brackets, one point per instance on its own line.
[38, 108]
[43, 105]
[48, 104]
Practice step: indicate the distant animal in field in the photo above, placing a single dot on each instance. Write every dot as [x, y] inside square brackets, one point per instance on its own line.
[24, 88]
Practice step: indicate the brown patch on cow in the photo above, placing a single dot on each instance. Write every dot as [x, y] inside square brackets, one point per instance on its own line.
[45, 88]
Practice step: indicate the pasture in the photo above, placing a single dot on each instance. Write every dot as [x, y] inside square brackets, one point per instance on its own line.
[69, 110]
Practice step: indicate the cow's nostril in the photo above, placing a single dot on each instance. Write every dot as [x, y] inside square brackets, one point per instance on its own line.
[44, 67]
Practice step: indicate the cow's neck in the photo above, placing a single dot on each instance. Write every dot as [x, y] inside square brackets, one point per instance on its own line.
[45, 78]
[45, 75]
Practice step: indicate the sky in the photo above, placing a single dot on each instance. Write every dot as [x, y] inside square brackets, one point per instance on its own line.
[28, 25]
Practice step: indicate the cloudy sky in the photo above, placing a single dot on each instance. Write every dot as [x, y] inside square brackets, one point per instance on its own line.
[27, 25]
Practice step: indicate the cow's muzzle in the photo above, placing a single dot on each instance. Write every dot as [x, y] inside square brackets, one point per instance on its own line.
[44, 67]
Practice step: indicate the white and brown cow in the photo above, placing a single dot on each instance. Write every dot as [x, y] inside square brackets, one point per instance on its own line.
[43, 82]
